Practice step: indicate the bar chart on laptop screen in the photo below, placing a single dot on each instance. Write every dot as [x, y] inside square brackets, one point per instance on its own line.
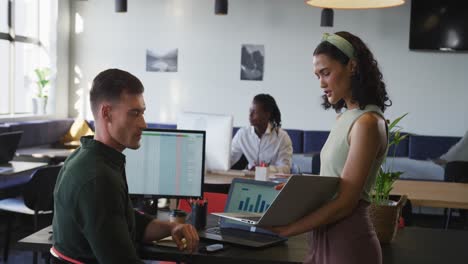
[251, 198]
[166, 163]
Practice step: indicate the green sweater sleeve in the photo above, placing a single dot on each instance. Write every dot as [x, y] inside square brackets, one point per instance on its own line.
[141, 222]
[103, 209]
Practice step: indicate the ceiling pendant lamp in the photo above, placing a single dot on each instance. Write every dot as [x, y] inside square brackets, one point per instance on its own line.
[354, 4]
[327, 18]
[221, 7]
[120, 6]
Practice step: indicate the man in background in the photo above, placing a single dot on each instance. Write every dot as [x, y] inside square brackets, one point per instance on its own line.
[458, 152]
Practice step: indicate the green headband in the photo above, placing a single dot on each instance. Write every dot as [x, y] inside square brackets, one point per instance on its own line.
[339, 42]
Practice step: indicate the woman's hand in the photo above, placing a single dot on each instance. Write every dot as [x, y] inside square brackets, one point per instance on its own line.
[283, 231]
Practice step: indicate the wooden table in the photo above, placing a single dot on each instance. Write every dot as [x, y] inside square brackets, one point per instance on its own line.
[433, 193]
[220, 181]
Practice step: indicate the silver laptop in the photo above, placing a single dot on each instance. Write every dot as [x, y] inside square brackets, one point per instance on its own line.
[245, 194]
[300, 195]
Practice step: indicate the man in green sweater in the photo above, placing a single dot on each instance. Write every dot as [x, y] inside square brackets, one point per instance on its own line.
[94, 221]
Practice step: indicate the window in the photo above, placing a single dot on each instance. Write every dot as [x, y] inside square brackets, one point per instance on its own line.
[26, 58]
[4, 77]
[4, 16]
[25, 28]
[26, 18]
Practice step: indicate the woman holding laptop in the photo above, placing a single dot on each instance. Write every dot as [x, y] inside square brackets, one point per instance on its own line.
[341, 231]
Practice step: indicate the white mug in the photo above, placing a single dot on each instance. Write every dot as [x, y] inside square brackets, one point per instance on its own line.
[261, 173]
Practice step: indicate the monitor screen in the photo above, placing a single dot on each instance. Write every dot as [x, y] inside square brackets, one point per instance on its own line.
[218, 136]
[169, 163]
[439, 25]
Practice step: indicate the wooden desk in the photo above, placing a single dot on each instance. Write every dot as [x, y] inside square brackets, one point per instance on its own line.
[413, 245]
[221, 181]
[434, 194]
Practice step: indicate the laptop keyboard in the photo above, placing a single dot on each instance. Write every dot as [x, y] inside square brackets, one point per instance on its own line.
[240, 234]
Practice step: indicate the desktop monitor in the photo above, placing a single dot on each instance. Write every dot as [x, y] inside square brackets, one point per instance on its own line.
[169, 163]
[218, 136]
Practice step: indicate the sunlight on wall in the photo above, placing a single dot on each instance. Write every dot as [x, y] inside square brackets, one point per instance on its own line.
[81, 104]
[79, 24]
[78, 71]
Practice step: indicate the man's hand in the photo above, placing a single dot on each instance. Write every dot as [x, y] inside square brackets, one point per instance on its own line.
[186, 237]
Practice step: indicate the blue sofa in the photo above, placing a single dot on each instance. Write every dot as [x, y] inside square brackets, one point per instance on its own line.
[40, 132]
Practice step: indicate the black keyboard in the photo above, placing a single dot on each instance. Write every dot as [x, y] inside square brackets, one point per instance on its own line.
[240, 234]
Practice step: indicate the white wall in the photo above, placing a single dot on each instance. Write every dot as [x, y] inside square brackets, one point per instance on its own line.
[63, 58]
[432, 87]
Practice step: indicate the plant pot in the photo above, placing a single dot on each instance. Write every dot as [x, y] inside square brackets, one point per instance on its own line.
[39, 105]
[385, 218]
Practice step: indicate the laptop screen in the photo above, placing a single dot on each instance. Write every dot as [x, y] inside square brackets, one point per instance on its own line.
[246, 195]
[8, 144]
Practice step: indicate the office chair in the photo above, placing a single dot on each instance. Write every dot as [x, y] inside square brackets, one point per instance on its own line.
[37, 198]
[456, 171]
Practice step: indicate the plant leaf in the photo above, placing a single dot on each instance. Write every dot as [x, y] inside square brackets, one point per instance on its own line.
[396, 121]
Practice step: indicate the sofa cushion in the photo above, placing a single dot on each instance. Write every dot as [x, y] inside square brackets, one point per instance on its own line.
[4, 128]
[402, 149]
[297, 138]
[41, 132]
[161, 126]
[429, 147]
[91, 125]
[57, 129]
[314, 140]
[234, 131]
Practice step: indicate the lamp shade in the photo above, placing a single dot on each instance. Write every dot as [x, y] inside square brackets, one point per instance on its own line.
[354, 4]
[327, 18]
[120, 6]
[221, 7]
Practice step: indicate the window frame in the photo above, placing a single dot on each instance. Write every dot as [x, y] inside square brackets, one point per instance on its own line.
[12, 38]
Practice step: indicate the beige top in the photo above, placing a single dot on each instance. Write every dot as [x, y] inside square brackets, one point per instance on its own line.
[335, 151]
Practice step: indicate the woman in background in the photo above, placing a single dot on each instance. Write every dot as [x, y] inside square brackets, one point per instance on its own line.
[264, 142]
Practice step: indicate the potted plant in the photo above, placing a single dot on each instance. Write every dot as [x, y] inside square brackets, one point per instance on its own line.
[40, 98]
[384, 210]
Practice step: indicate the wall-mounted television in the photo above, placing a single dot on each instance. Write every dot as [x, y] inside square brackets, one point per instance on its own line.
[439, 25]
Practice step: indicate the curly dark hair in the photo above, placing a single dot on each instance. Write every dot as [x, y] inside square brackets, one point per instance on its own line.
[269, 105]
[367, 85]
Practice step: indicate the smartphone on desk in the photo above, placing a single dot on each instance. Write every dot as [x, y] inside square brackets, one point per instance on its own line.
[213, 248]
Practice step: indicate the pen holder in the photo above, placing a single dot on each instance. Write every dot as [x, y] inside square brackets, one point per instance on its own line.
[177, 216]
[199, 212]
[261, 173]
